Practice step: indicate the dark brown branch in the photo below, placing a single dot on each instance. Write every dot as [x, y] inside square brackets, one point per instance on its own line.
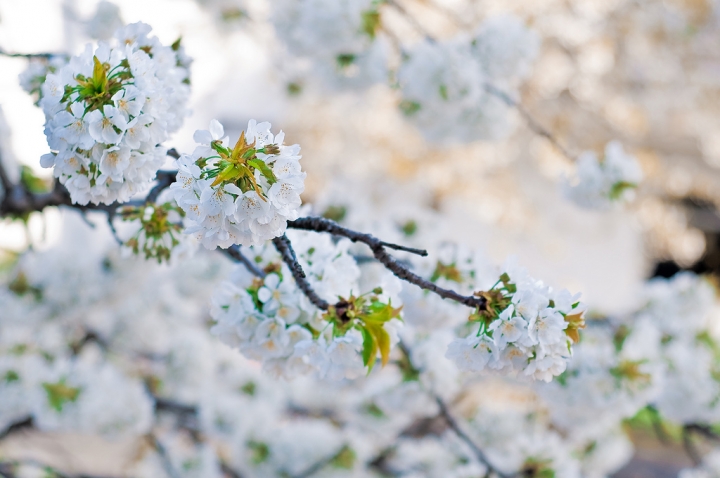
[284, 247]
[234, 253]
[164, 180]
[319, 224]
[704, 430]
[22, 424]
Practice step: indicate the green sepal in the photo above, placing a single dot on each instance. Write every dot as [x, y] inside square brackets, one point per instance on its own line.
[264, 169]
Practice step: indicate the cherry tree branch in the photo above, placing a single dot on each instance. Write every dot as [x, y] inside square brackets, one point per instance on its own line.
[284, 247]
[455, 427]
[320, 224]
[19, 201]
[235, 254]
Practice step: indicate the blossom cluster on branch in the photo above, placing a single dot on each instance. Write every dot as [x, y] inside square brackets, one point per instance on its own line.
[107, 112]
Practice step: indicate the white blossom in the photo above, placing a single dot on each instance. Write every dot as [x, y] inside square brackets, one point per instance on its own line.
[242, 195]
[108, 150]
[599, 183]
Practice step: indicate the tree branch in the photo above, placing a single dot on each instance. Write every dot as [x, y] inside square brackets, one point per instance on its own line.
[689, 447]
[532, 123]
[319, 224]
[29, 55]
[234, 253]
[164, 456]
[479, 454]
[22, 424]
[284, 247]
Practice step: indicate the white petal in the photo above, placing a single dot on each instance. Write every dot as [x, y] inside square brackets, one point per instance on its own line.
[216, 129]
[47, 160]
[202, 136]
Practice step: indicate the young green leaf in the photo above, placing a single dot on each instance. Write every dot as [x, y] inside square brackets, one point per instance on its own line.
[264, 169]
[370, 348]
[383, 341]
[99, 76]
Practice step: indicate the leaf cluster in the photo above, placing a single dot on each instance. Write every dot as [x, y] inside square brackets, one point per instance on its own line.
[368, 315]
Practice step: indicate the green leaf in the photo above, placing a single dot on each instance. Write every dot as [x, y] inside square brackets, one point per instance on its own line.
[230, 172]
[264, 169]
[99, 76]
[370, 22]
[11, 376]
[59, 394]
[383, 340]
[259, 451]
[345, 458]
[381, 313]
[176, 44]
[335, 213]
[443, 92]
[370, 348]
[344, 60]
[409, 108]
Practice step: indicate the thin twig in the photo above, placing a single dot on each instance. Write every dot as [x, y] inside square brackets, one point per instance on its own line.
[164, 456]
[689, 446]
[411, 20]
[29, 55]
[532, 123]
[412, 250]
[452, 423]
[234, 253]
[284, 247]
[319, 224]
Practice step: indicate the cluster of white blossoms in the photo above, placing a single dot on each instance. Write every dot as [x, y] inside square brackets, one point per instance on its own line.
[601, 182]
[677, 328]
[270, 320]
[605, 383]
[243, 194]
[444, 85]
[33, 77]
[527, 329]
[78, 394]
[108, 110]
[339, 37]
